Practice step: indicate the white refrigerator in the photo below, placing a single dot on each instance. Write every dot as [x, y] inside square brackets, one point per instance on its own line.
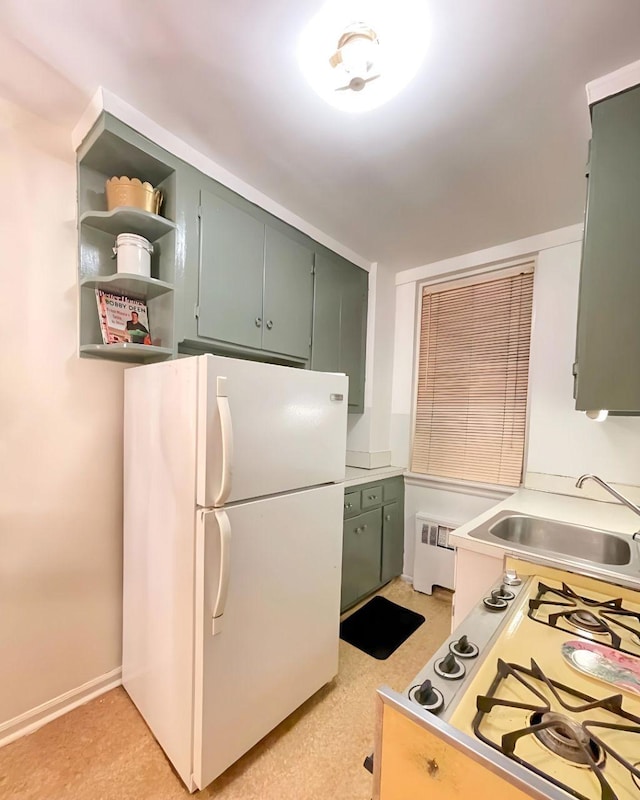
[233, 505]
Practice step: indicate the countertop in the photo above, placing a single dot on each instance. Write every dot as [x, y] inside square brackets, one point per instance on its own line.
[576, 510]
[355, 476]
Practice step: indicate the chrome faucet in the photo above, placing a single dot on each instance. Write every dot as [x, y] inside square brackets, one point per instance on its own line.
[624, 500]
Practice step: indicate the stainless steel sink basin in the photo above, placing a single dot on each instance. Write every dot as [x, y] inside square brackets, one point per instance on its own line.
[571, 543]
[594, 545]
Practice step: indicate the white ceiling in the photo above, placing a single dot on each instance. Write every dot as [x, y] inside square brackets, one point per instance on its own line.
[486, 145]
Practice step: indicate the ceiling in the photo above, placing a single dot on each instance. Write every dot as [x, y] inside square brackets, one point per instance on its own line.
[486, 145]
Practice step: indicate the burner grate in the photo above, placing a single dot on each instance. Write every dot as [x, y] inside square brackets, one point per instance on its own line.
[599, 618]
[616, 617]
[581, 743]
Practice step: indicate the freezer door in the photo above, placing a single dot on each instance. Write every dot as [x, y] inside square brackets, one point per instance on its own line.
[266, 637]
[265, 429]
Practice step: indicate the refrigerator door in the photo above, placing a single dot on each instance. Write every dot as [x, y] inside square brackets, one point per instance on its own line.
[265, 429]
[267, 618]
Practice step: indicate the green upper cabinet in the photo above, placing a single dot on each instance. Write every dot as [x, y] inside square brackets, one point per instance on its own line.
[255, 284]
[340, 323]
[288, 295]
[608, 338]
[235, 279]
[231, 270]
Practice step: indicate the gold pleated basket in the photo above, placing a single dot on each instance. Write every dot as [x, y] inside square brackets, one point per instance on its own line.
[132, 192]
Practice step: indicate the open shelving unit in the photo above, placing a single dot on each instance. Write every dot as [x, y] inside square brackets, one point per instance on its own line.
[131, 220]
[111, 148]
[131, 285]
[127, 351]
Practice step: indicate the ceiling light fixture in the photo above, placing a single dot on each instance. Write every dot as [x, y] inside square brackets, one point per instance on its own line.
[358, 54]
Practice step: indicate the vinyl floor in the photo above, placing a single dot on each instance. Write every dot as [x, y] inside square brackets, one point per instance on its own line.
[104, 751]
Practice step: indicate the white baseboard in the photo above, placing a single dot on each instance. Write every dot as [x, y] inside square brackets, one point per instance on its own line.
[36, 717]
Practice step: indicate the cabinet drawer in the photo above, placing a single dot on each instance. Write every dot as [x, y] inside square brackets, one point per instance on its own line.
[371, 497]
[393, 488]
[351, 504]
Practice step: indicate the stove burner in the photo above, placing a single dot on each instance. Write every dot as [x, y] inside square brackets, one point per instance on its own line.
[565, 737]
[587, 621]
[564, 609]
[584, 745]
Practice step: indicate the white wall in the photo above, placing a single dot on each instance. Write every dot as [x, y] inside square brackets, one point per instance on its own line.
[561, 441]
[60, 446]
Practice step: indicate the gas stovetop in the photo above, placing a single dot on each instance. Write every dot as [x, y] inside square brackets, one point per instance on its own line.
[587, 745]
[501, 678]
[606, 620]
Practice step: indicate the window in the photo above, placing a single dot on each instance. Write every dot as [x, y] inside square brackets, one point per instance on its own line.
[472, 378]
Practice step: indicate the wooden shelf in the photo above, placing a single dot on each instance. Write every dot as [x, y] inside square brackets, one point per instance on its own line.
[126, 219]
[126, 351]
[135, 286]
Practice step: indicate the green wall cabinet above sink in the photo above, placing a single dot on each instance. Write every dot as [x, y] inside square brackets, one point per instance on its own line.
[608, 339]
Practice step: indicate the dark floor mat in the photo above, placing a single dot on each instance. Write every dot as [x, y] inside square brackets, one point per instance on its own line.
[380, 627]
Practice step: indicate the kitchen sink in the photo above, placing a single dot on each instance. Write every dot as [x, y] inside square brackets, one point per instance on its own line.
[547, 536]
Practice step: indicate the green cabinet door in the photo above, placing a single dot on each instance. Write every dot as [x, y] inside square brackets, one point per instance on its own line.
[392, 541]
[362, 540]
[327, 302]
[608, 340]
[353, 333]
[288, 295]
[231, 272]
[340, 323]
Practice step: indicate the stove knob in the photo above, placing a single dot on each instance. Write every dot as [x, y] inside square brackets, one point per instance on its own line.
[450, 668]
[463, 648]
[511, 578]
[504, 593]
[425, 695]
[495, 602]
[428, 696]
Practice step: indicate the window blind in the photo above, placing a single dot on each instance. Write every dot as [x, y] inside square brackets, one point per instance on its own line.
[473, 378]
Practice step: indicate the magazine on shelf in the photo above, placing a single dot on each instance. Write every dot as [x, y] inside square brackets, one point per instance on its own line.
[122, 319]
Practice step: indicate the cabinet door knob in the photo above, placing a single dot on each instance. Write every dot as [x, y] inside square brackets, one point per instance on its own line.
[388, 517]
[348, 505]
[258, 322]
[364, 527]
[269, 324]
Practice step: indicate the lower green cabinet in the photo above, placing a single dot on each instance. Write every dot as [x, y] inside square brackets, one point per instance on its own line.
[373, 539]
[392, 541]
[361, 555]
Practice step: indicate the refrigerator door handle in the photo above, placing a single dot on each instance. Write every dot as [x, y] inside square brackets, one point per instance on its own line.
[226, 430]
[224, 528]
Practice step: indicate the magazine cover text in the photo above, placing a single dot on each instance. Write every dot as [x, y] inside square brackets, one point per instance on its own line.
[122, 319]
